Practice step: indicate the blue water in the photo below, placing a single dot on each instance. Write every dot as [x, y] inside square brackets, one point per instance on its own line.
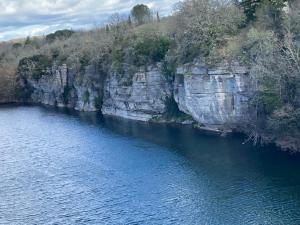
[60, 167]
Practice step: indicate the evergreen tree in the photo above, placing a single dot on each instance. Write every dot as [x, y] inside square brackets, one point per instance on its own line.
[250, 7]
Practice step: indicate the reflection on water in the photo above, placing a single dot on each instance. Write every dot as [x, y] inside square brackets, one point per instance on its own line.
[62, 167]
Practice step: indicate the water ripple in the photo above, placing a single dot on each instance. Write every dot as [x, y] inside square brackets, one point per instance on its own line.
[61, 168]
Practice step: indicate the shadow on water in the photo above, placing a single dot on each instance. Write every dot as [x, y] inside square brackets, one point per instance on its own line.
[197, 146]
[191, 143]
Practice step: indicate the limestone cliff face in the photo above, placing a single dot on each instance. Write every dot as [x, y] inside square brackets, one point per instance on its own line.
[140, 96]
[63, 87]
[214, 97]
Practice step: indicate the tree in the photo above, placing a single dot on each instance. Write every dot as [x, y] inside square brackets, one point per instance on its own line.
[28, 41]
[60, 34]
[157, 17]
[250, 7]
[141, 14]
[201, 27]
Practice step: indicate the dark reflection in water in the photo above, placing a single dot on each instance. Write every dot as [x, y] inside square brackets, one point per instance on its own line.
[63, 167]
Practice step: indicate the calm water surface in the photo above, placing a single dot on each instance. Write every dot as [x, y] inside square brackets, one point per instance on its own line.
[61, 167]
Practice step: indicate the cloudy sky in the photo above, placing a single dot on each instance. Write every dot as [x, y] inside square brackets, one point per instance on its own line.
[21, 18]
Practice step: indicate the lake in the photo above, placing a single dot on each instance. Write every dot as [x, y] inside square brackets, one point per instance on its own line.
[63, 167]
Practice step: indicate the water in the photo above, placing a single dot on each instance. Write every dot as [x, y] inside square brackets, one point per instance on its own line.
[60, 167]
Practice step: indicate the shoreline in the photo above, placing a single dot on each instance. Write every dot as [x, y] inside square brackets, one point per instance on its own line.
[201, 130]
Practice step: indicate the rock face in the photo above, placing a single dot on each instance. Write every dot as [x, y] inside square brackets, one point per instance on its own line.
[214, 97]
[64, 87]
[140, 96]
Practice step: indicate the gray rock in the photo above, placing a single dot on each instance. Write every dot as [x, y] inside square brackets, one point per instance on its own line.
[217, 99]
[140, 96]
[65, 87]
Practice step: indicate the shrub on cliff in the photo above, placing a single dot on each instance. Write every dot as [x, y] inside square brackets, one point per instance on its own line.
[37, 65]
[285, 121]
[275, 69]
[150, 48]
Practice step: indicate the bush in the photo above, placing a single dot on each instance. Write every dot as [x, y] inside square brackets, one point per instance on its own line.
[202, 26]
[118, 58]
[37, 65]
[150, 48]
[17, 45]
[285, 121]
[60, 35]
[84, 61]
[275, 72]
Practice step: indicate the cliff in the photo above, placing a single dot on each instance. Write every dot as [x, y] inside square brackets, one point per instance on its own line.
[63, 87]
[216, 98]
[141, 96]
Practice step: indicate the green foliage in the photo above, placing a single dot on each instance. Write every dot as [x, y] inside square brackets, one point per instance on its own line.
[271, 50]
[37, 65]
[202, 27]
[59, 35]
[259, 47]
[84, 61]
[272, 8]
[17, 45]
[285, 121]
[28, 41]
[118, 58]
[250, 7]
[150, 48]
[141, 14]
[260, 52]
[268, 100]
[58, 55]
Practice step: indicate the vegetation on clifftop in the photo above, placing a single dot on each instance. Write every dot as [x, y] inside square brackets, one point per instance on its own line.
[262, 34]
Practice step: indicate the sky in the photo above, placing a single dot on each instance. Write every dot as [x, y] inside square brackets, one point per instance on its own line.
[22, 18]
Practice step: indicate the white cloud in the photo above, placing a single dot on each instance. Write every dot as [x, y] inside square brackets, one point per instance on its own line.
[20, 18]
